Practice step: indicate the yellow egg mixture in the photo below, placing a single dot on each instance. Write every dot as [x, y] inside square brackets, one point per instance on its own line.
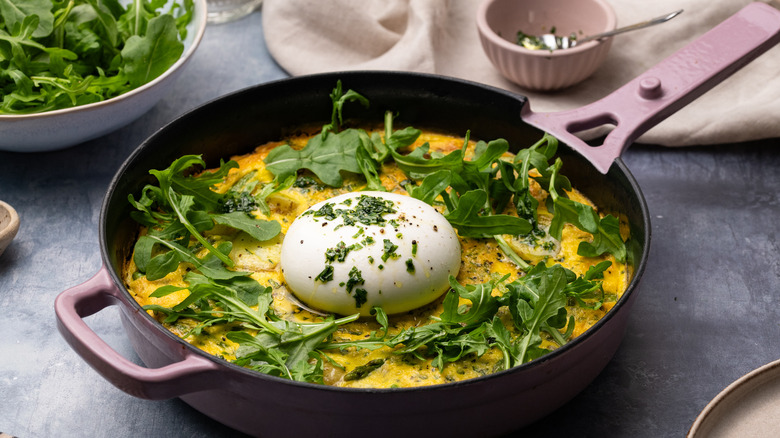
[482, 261]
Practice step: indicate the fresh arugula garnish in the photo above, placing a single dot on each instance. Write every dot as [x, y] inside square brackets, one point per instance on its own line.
[469, 217]
[59, 54]
[605, 231]
[474, 191]
[471, 204]
[332, 152]
[180, 208]
[526, 160]
[586, 290]
[536, 303]
[338, 98]
[177, 211]
[325, 156]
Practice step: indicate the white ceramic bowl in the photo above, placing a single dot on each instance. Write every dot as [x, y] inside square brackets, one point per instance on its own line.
[63, 128]
[498, 22]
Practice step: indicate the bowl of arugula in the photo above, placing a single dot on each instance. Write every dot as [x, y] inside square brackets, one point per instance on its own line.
[73, 71]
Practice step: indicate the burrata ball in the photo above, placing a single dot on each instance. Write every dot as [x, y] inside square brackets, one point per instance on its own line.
[359, 250]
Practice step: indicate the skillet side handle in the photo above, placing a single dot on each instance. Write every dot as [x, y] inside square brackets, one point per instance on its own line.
[188, 375]
[665, 88]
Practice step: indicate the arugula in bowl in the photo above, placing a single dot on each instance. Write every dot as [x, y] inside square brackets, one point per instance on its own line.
[57, 54]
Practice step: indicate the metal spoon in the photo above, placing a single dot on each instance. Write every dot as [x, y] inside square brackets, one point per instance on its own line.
[553, 42]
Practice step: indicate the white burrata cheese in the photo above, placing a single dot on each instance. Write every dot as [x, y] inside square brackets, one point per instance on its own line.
[365, 249]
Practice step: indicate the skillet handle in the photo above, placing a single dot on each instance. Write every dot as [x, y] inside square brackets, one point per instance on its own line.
[665, 88]
[192, 373]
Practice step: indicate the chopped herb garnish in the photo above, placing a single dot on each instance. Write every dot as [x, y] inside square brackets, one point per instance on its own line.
[339, 253]
[369, 210]
[325, 211]
[410, 266]
[361, 296]
[326, 275]
[306, 182]
[389, 250]
[355, 278]
[241, 201]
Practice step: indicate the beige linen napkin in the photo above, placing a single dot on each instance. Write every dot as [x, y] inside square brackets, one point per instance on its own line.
[440, 36]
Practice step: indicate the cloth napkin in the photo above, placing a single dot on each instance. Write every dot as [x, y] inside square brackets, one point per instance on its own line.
[440, 36]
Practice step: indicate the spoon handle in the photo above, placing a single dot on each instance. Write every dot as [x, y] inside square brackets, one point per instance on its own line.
[642, 25]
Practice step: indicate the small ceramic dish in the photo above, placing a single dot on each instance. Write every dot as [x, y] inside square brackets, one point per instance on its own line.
[498, 23]
[9, 225]
[59, 129]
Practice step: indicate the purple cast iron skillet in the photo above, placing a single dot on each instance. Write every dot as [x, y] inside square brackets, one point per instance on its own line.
[262, 405]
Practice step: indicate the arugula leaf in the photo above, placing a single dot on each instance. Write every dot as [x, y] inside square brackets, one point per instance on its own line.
[527, 160]
[14, 12]
[338, 98]
[368, 167]
[287, 350]
[466, 218]
[458, 332]
[502, 339]
[326, 157]
[536, 302]
[259, 229]
[160, 265]
[587, 287]
[299, 340]
[417, 165]
[605, 231]
[483, 304]
[147, 57]
[106, 22]
[431, 187]
[398, 139]
[605, 239]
